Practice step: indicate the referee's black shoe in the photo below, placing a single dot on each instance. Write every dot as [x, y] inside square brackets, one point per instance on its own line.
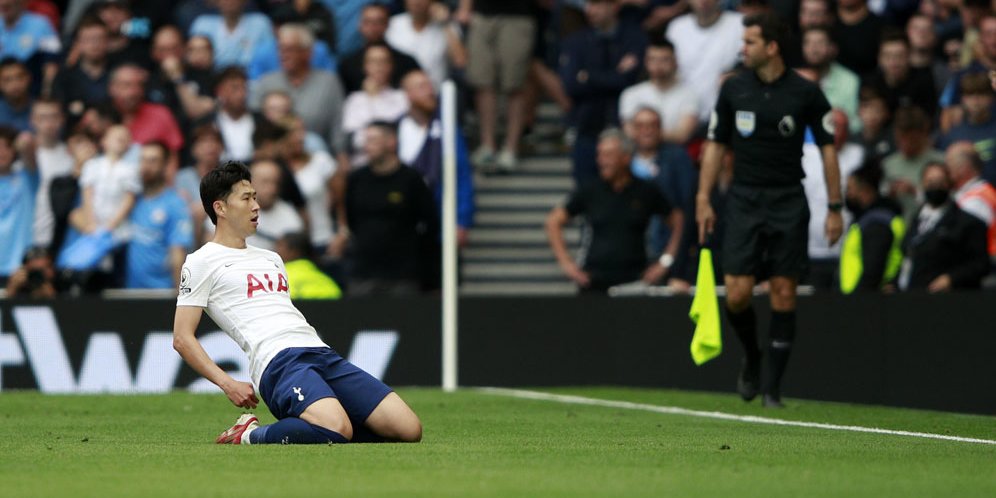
[772, 401]
[749, 379]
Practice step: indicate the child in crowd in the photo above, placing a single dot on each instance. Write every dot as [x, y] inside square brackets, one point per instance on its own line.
[109, 183]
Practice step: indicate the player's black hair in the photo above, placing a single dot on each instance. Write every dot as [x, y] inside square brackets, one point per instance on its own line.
[773, 28]
[218, 183]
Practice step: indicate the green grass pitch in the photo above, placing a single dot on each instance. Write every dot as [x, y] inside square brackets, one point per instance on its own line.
[483, 445]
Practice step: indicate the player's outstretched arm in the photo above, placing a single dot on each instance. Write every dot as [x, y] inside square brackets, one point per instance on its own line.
[185, 323]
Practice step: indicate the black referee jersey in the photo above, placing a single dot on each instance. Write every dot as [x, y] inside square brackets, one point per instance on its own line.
[765, 124]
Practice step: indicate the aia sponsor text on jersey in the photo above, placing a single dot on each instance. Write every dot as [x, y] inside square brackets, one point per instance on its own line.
[265, 284]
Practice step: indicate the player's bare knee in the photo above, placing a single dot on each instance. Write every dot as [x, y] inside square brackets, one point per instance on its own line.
[340, 425]
[327, 413]
[411, 431]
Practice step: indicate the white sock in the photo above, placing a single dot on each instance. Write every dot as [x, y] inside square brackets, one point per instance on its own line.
[245, 435]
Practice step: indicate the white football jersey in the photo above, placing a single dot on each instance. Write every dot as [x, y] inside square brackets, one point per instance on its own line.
[245, 292]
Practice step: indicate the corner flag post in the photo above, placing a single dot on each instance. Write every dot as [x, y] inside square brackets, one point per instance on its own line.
[449, 122]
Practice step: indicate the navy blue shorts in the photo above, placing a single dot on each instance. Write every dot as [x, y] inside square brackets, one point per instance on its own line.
[297, 377]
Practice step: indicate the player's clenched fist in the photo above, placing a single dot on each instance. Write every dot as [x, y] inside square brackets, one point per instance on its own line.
[241, 394]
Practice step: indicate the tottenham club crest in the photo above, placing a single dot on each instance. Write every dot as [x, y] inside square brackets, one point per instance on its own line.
[786, 126]
[746, 121]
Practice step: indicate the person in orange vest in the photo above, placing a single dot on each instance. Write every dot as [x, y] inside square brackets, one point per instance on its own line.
[973, 194]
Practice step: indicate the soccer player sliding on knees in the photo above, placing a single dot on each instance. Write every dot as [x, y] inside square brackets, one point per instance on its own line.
[315, 394]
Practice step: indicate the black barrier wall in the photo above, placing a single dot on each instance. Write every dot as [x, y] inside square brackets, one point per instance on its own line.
[904, 350]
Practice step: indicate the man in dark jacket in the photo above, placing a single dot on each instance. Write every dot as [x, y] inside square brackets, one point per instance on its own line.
[373, 26]
[596, 65]
[945, 247]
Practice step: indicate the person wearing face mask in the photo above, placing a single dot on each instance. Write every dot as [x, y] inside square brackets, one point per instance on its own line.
[871, 254]
[945, 247]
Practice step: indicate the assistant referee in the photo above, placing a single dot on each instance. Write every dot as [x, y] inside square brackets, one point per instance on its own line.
[761, 116]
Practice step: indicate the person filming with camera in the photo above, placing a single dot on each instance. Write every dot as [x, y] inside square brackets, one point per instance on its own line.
[35, 279]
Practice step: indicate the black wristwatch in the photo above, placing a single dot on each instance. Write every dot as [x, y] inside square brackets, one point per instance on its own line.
[835, 207]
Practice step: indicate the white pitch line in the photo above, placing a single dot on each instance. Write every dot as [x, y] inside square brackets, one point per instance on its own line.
[673, 410]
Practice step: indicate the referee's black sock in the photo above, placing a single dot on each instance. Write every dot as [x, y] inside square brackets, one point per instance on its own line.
[782, 335]
[745, 326]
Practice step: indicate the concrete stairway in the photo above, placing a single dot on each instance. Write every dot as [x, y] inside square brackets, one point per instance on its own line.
[508, 254]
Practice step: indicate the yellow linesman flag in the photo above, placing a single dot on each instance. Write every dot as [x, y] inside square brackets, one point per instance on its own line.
[707, 342]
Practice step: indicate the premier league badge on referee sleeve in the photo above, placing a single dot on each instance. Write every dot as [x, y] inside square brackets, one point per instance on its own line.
[745, 122]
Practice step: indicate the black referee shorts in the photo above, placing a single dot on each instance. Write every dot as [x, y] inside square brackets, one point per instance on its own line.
[767, 231]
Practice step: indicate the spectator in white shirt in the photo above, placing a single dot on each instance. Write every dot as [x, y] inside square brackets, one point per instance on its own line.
[110, 184]
[276, 217]
[234, 120]
[707, 43]
[53, 160]
[675, 102]
[376, 101]
[313, 173]
[424, 31]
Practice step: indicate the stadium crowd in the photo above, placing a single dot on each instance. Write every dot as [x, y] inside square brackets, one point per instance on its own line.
[112, 110]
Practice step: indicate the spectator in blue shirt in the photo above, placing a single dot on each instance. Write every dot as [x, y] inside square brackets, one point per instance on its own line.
[162, 232]
[235, 34]
[15, 100]
[669, 167]
[347, 21]
[979, 126]
[267, 59]
[18, 184]
[29, 38]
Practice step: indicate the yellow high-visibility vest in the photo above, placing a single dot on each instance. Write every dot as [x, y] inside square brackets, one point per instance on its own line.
[851, 258]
